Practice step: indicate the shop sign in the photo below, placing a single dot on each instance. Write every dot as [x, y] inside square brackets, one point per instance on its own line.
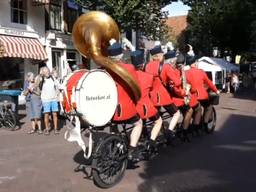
[16, 32]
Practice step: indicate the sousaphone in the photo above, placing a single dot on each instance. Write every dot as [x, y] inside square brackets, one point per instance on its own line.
[91, 35]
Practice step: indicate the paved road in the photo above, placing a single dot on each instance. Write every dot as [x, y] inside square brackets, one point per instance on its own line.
[224, 161]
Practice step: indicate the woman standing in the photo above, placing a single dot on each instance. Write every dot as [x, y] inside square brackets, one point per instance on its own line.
[33, 102]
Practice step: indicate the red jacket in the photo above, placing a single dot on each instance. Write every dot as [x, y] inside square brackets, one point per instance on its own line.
[145, 107]
[179, 101]
[202, 83]
[126, 108]
[169, 76]
[159, 94]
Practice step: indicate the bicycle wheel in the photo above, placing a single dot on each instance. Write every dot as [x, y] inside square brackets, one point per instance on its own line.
[110, 161]
[10, 121]
[210, 126]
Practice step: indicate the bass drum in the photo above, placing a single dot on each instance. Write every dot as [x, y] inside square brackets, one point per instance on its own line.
[93, 94]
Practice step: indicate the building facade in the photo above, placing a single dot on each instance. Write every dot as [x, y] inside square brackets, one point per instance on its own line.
[34, 33]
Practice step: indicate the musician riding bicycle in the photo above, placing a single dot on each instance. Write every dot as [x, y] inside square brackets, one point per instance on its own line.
[163, 74]
[126, 109]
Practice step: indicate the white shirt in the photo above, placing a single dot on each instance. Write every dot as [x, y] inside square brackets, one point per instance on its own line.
[49, 90]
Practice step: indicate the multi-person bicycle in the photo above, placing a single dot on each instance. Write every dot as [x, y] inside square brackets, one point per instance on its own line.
[107, 154]
[109, 158]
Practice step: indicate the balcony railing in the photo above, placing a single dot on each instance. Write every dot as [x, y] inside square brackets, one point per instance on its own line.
[46, 2]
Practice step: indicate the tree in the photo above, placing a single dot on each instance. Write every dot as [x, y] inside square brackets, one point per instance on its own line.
[144, 16]
[222, 23]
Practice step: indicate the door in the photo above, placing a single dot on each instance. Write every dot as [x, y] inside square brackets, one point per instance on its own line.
[56, 60]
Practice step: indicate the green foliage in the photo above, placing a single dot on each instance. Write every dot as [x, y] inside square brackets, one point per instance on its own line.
[144, 16]
[222, 23]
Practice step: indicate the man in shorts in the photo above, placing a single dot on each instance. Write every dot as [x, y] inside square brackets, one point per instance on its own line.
[49, 96]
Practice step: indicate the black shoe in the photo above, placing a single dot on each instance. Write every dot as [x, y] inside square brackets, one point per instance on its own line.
[205, 127]
[185, 136]
[196, 130]
[170, 136]
[151, 150]
[134, 154]
[152, 146]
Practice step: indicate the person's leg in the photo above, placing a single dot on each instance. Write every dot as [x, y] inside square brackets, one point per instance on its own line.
[46, 121]
[55, 122]
[38, 122]
[174, 120]
[156, 129]
[46, 111]
[29, 110]
[187, 118]
[33, 127]
[154, 132]
[186, 123]
[197, 116]
[228, 86]
[175, 113]
[55, 109]
[135, 134]
[133, 153]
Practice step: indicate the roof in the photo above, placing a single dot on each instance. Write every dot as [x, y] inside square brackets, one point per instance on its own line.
[177, 23]
[220, 62]
[208, 67]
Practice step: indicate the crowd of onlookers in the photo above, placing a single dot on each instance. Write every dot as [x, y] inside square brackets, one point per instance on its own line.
[237, 82]
[41, 93]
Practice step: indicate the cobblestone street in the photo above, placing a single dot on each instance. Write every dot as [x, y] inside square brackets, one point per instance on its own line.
[223, 161]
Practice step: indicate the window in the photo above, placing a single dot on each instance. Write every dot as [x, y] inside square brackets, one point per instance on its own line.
[55, 17]
[19, 11]
[71, 18]
[71, 58]
[71, 14]
[56, 60]
[218, 78]
[11, 77]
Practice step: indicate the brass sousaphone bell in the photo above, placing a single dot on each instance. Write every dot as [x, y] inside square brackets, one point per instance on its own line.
[91, 35]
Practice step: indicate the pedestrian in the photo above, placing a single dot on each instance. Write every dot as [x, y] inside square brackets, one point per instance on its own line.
[235, 82]
[49, 96]
[228, 82]
[33, 102]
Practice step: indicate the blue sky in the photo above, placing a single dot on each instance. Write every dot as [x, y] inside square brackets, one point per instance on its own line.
[177, 8]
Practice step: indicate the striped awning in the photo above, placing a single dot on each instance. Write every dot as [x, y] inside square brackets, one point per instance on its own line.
[21, 47]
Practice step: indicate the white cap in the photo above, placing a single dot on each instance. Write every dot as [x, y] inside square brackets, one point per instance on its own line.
[112, 41]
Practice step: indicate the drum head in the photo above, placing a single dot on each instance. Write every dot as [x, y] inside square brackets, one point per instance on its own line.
[96, 97]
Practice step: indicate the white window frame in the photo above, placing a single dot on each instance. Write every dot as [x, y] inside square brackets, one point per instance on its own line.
[23, 11]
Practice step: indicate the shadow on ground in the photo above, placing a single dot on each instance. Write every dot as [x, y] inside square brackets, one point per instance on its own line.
[224, 161]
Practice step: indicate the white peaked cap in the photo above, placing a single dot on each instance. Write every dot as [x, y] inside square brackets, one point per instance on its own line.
[157, 43]
[169, 46]
[191, 51]
[164, 48]
[112, 41]
[126, 42]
